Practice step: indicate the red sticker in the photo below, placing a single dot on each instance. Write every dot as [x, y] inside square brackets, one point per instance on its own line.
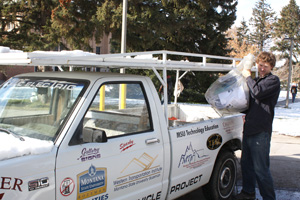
[67, 187]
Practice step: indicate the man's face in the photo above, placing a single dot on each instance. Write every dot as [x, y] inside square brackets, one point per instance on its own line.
[264, 68]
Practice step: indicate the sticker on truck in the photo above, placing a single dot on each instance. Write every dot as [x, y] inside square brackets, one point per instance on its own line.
[196, 130]
[91, 182]
[192, 158]
[67, 187]
[46, 84]
[151, 196]
[126, 145]
[185, 184]
[89, 154]
[9, 183]
[38, 183]
[214, 141]
[138, 171]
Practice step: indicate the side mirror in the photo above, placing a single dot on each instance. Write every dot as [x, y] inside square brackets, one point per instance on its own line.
[93, 135]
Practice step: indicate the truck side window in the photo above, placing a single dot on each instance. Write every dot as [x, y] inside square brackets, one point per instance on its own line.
[119, 109]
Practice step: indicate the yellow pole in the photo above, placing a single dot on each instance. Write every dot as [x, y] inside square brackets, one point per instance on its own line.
[102, 98]
[122, 104]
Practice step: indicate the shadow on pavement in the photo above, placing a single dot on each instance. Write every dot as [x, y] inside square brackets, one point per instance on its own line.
[283, 102]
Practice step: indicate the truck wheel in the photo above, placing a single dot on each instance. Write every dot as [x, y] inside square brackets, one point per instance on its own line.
[222, 181]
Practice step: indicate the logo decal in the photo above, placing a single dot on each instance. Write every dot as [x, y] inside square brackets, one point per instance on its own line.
[192, 158]
[67, 187]
[1, 196]
[214, 141]
[89, 154]
[91, 182]
[144, 162]
[138, 171]
[127, 145]
[38, 183]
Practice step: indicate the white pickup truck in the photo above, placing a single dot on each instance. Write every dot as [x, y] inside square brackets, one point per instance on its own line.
[98, 136]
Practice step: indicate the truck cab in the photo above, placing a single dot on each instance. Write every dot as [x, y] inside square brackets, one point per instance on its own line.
[84, 141]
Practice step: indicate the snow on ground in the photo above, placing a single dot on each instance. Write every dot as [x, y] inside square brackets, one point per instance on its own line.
[287, 120]
[280, 194]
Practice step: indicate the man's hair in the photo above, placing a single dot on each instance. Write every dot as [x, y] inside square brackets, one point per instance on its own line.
[267, 57]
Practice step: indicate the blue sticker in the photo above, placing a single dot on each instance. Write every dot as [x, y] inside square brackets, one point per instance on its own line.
[91, 182]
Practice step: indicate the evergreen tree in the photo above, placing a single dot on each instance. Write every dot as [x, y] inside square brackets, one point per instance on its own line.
[192, 26]
[26, 24]
[74, 25]
[287, 26]
[243, 32]
[189, 26]
[262, 20]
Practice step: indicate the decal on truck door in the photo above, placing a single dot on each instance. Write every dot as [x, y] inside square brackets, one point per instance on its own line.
[138, 170]
[89, 154]
[91, 182]
[126, 145]
[67, 187]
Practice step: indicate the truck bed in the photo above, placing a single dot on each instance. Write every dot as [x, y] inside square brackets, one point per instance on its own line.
[181, 114]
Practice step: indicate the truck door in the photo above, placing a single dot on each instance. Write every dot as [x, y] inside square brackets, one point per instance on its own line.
[114, 149]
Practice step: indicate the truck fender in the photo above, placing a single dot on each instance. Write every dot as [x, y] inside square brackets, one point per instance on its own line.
[223, 178]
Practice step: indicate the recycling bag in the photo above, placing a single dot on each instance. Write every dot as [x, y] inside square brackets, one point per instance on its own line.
[229, 93]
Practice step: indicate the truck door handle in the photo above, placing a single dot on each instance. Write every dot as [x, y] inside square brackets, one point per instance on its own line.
[152, 140]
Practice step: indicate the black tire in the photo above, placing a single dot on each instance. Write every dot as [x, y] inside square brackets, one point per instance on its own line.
[223, 178]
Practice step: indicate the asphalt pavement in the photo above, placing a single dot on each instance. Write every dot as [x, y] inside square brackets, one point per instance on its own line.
[285, 169]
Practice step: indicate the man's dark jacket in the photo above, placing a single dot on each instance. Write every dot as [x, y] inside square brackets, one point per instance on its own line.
[264, 94]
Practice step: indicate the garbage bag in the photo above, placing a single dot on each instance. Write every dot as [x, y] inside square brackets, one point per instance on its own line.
[230, 92]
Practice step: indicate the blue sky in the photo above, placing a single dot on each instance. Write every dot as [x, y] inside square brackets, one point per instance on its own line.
[244, 8]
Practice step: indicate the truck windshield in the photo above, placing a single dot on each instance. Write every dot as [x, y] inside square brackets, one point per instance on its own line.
[36, 108]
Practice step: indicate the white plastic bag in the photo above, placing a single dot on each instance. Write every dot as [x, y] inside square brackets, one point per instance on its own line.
[230, 92]
[180, 88]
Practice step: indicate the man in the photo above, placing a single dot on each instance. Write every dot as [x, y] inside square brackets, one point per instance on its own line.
[294, 92]
[264, 91]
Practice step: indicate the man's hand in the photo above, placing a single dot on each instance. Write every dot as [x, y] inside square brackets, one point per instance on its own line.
[246, 72]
